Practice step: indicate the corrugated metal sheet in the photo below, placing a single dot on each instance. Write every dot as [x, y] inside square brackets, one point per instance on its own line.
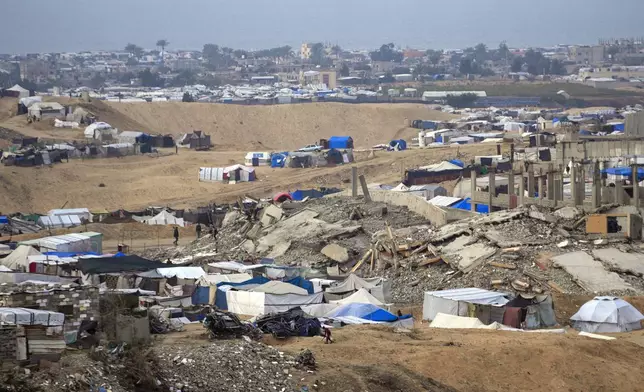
[211, 174]
[444, 201]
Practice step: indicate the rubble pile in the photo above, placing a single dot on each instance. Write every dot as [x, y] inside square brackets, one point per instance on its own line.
[507, 250]
[295, 233]
[222, 324]
[226, 365]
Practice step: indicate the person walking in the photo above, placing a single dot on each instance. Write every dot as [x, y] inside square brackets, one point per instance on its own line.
[198, 230]
[176, 236]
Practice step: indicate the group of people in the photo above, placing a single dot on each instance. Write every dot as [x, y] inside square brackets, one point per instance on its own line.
[213, 231]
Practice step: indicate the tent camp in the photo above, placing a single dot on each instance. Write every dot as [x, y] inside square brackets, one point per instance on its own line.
[254, 303]
[457, 302]
[100, 131]
[18, 260]
[361, 296]
[59, 222]
[277, 287]
[17, 91]
[607, 314]
[380, 288]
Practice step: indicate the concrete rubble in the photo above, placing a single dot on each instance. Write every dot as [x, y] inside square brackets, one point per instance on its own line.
[590, 273]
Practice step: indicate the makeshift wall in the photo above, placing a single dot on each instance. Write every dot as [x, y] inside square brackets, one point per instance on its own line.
[77, 305]
[245, 302]
[281, 303]
[8, 342]
[130, 329]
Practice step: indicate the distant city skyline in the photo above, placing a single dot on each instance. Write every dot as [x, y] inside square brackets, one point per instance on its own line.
[78, 25]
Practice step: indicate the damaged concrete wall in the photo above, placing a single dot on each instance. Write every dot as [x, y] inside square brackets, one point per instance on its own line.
[8, 342]
[129, 329]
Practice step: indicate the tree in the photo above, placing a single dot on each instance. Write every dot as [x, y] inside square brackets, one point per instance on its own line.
[467, 66]
[517, 64]
[132, 61]
[503, 52]
[387, 53]
[344, 70]
[240, 54]
[162, 43]
[184, 78]
[187, 97]
[434, 56]
[134, 50]
[400, 70]
[480, 53]
[557, 67]
[97, 81]
[150, 79]
[336, 50]
[125, 78]
[317, 53]
[612, 51]
[461, 100]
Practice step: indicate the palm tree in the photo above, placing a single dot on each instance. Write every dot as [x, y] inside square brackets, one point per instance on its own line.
[162, 43]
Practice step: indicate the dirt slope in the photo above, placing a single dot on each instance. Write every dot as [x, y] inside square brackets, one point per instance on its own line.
[140, 181]
[274, 127]
[376, 359]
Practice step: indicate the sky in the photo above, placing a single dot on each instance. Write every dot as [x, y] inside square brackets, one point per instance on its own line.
[73, 25]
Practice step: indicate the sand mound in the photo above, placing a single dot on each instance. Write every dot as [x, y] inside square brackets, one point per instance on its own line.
[272, 127]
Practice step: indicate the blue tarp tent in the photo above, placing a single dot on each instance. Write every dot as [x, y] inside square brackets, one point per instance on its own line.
[625, 172]
[278, 160]
[300, 194]
[363, 311]
[4, 220]
[466, 204]
[71, 254]
[201, 295]
[402, 145]
[619, 127]
[303, 283]
[257, 280]
[340, 142]
[457, 162]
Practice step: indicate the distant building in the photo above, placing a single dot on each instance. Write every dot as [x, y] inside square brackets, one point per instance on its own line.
[184, 64]
[328, 77]
[587, 54]
[305, 51]
[615, 72]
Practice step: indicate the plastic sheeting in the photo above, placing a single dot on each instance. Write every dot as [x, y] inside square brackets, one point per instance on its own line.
[454, 302]
[23, 316]
[214, 279]
[245, 302]
[19, 259]
[361, 296]
[277, 287]
[363, 311]
[282, 303]
[378, 287]
[319, 310]
[182, 272]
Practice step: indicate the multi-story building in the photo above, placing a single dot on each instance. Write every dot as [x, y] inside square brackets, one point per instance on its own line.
[328, 77]
[587, 54]
[305, 51]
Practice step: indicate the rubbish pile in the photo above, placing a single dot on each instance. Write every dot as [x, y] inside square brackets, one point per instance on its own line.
[305, 360]
[226, 366]
[291, 323]
[222, 324]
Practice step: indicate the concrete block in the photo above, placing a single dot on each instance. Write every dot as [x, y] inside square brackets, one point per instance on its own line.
[336, 252]
[632, 263]
[589, 273]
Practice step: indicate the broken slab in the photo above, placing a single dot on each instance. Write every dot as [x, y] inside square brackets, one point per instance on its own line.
[458, 244]
[279, 249]
[589, 273]
[470, 257]
[450, 231]
[630, 263]
[542, 216]
[568, 213]
[336, 252]
[271, 214]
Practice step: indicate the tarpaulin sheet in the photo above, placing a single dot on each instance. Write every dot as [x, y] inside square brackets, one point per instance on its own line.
[201, 295]
[23, 316]
[281, 303]
[258, 280]
[106, 265]
[245, 302]
[303, 283]
[363, 311]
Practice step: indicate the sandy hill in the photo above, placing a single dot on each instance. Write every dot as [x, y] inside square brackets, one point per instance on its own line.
[274, 127]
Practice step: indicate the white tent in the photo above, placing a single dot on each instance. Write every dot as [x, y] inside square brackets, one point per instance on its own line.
[378, 287]
[455, 302]
[262, 158]
[254, 303]
[213, 279]
[400, 188]
[59, 222]
[319, 310]
[23, 92]
[98, 129]
[277, 287]
[607, 314]
[165, 218]
[128, 136]
[361, 296]
[18, 260]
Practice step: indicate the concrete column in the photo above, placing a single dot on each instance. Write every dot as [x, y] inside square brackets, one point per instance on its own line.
[619, 192]
[511, 183]
[365, 189]
[522, 190]
[581, 185]
[573, 184]
[540, 186]
[636, 187]
[473, 188]
[531, 184]
[602, 166]
[354, 181]
[491, 190]
[597, 186]
[550, 178]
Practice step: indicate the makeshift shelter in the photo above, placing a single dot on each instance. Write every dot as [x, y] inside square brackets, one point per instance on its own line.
[254, 303]
[363, 311]
[361, 296]
[18, 260]
[108, 265]
[24, 316]
[194, 140]
[257, 159]
[341, 142]
[131, 137]
[465, 302]
[398, 144]
[73, 242]
[439, 172]
[100, 131]
[319, 310]
[279, 160]
[39, 110]
[59, 222]
[380, 288]
[532, 311]
[17, 91]
[165, 218]
[607, 315]
[238, 173]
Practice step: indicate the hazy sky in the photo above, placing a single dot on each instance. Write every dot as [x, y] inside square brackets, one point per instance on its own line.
[73, 25]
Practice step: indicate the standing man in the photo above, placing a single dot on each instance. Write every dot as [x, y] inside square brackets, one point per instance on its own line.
[198, 229]
[176, 236]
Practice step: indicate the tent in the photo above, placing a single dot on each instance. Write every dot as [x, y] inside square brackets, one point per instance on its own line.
[108, 265]
[19, 91]
[24, 316]
[254, 303]
[214, 279]
[398, 144]
[257, 159]
[361, 296]
[165, 218]
[100, 131]
[363, 311]
[341, 142]
[378, 287]
[18, 260]
[59, 222]
[277, 287]
[239, 173]
[319, 310]
[456, 301]
[279, 160]
[607, 314]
